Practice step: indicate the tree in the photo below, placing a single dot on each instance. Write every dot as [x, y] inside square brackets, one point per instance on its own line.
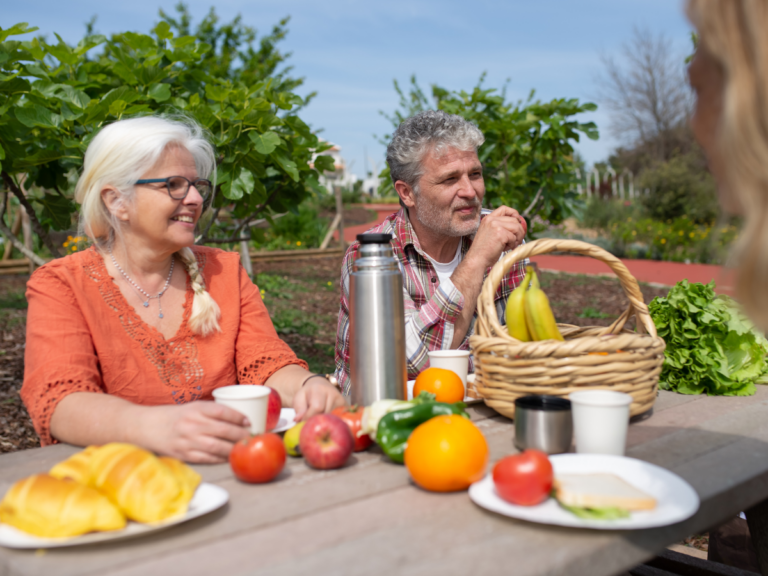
[54, 98]
[647, 96]
[528, 155]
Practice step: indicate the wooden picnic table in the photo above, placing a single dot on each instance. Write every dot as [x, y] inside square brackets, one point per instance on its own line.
[368, 518]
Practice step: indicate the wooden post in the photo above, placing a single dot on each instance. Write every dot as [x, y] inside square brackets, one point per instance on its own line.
[245, 253]
[340, 215]
[26, 228]
[15, 227]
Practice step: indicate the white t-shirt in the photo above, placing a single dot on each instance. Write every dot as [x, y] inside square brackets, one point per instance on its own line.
[444, 271]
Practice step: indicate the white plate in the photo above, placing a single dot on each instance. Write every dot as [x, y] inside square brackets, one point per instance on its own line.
[467, 399]
[286, 420]
[207, 498]
[676, 500]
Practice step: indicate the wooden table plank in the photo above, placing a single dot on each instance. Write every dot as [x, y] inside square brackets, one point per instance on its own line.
[369, 518]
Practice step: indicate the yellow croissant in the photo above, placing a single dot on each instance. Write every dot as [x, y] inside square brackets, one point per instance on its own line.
[144, 488]
[77, 467]
[188, 478]
[53, 508]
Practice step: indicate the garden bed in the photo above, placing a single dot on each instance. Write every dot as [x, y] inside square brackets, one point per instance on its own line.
[303, 301]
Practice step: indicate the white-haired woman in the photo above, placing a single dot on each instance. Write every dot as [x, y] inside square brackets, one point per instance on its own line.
[729, 74]
[127, 339]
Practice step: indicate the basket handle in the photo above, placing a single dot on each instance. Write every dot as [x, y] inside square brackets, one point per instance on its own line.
[487, 321]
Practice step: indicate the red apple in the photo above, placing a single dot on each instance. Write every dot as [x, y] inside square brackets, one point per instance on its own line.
[326, 442]
[273, 409]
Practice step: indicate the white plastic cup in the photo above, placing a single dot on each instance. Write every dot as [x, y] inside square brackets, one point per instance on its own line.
[600, 421]
[250, 400]
[454, 360]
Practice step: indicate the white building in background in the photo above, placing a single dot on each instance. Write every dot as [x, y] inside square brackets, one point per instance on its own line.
[341, 176]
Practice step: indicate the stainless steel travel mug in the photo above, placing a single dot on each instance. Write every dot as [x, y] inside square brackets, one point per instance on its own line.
[377, 366]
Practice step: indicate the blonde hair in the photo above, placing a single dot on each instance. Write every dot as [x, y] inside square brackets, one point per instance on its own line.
[733, 31]
[116, 157]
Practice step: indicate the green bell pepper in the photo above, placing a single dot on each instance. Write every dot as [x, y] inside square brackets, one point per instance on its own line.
[395, 428]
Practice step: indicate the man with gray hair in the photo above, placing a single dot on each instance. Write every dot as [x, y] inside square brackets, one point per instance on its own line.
[444, 241]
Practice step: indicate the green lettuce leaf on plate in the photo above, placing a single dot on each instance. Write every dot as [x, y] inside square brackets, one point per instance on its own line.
[610, 513]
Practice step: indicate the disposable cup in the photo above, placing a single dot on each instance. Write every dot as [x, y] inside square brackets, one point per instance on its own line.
[248, 399]
[600, 421]
[455, 360]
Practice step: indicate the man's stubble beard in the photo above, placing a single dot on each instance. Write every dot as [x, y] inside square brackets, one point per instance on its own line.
[440, 220]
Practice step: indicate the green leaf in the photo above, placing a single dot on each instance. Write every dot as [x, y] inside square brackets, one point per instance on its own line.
[607, 514]
[163, 31]
[16, 30]
[159, 92]
[57, 211]
[240, 186]
[265, 143]
[215, 92]
[75, 96]
[288, 165]
[36, 116]
[40, 157]
[324, 163]
[2, 153]
[138, 41]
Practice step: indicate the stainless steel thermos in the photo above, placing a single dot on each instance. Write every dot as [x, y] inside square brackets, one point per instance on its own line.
[377, 366]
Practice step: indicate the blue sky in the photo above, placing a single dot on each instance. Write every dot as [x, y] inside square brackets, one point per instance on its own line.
[349, 51]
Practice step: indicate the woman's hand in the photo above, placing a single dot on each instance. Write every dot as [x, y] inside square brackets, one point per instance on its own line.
[200, 432]
[315, 397]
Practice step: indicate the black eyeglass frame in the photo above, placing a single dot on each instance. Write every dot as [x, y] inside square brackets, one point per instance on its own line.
[190, 183]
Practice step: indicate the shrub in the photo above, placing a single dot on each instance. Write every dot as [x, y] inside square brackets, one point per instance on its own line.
[295, 230]
[679, 187]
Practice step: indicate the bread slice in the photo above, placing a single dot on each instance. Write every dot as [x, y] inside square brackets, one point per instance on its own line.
[600, 491]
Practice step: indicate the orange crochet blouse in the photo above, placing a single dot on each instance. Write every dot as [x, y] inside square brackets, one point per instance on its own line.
[83, 336]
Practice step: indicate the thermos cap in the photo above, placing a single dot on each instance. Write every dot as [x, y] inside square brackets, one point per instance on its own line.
[374, 238]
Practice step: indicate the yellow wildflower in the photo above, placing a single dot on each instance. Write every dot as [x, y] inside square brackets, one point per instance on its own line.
[692, 234]
[298, 243]
[663, 240]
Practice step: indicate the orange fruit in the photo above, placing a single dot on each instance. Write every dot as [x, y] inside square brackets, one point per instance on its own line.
[444, 384]
[446, 454]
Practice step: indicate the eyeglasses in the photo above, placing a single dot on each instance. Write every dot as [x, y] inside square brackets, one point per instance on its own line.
[178, 186]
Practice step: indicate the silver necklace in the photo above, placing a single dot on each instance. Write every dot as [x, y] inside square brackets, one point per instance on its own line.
[142, 291]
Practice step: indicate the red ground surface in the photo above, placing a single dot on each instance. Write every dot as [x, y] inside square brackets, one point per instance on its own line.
[651, 271]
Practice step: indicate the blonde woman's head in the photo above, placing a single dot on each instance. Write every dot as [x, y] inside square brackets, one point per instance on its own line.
[730, 76]
[123, 153]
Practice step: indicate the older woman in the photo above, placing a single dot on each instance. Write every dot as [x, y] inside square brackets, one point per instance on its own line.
[127, 339]
[729, 74]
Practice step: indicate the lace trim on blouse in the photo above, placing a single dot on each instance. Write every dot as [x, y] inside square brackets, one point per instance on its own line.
[176, 359]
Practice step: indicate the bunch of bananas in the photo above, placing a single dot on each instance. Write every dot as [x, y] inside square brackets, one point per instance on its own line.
[529, 315]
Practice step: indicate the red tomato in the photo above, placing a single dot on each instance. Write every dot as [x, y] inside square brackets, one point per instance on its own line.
[352, 415]
[258, 458]
[524, 479]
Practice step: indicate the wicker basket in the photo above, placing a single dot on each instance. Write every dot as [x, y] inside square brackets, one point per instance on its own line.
[506, 368]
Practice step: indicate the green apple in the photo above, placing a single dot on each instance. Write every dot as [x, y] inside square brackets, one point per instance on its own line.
[291, 440]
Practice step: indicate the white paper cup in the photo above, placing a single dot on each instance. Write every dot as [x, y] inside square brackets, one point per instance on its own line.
[248, 399]
[600, 421]
[454, 360]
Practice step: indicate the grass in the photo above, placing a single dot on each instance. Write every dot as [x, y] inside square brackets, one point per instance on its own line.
[9, 320]
[590, 312]
[291, 321]
[13, 301]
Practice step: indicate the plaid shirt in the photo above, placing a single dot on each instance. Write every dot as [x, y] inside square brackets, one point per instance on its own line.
[431, 307]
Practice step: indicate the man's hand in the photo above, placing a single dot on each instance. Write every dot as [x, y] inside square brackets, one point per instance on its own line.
[501, 230]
